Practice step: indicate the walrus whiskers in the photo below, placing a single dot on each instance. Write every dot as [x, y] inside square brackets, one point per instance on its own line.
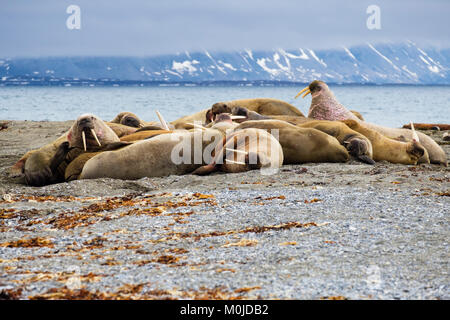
[83, 137]
[95, 136]
[163, 122]
[303, 90]
[414, 133]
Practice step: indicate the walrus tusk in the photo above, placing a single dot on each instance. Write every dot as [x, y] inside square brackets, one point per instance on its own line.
[238, 117]
[95, 136]
[83, 137]
[236, 150]
[235, 162]
[303, 90]
[414, 133]
[196, 126]
[306, 93]
[163, 122]
[141, 125]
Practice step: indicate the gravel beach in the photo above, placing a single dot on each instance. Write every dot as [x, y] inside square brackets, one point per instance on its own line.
[310, 231]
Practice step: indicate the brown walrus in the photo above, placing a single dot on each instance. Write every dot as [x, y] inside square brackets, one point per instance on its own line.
[356, 144]
[301, 145]
[263, 106]
[244, 150]
[47, 165]
[131, 120]
[155, 157]
[325, 106]
[388, 149]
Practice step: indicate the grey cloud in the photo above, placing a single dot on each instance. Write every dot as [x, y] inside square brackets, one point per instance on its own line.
[143, 28]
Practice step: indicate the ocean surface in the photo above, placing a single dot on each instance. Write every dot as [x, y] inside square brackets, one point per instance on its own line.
[386, 105]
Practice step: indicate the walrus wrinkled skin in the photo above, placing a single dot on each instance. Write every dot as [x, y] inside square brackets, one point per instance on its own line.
[263, 106]
[244, 150]
[45, 165]
[301, 145]
[325, 106]
[155, 157]
[356, 144]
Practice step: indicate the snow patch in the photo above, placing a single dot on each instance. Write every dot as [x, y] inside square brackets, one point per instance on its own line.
[349, 53]
[317, 59]
[384, 57]
[434, 69]
[262, 64]
[186, 66]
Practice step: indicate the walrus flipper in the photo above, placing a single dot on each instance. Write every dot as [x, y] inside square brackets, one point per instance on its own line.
[205, 170]
[49, 174]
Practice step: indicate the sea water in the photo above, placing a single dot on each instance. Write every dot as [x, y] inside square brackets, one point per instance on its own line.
[388, 105]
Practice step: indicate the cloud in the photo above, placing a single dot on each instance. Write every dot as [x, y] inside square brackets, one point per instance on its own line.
[144, 28]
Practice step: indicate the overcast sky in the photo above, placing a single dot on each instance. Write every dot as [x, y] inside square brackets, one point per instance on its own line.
[150, 27]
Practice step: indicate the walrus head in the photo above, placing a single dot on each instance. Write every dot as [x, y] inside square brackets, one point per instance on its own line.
[217, 108]
[89, 131]
[324, 105]
[415, 151]
[247, 114]
[128, 119]
[359, 149]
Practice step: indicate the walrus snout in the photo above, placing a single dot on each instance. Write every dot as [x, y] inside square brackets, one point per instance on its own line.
[218, 108]
[240, 111]
[359, 149]
[416, 150]
[223, 117]
[86, 123]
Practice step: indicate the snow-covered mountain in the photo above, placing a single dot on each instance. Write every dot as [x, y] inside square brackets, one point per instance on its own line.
[404, 63]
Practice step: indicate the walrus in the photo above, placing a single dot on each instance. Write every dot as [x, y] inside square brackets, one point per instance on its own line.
[44, 154]
[301, 145]
[263, 106]
[388, 149]
[86, 134]
[131, 120]
[38, 159]
[325, 106]
[356, 144]
[155, 157]
[244, 150]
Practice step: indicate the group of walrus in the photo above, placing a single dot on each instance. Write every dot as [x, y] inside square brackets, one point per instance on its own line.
[233, 136]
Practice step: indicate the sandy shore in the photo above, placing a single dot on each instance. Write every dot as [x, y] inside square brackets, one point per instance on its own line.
[311, 231]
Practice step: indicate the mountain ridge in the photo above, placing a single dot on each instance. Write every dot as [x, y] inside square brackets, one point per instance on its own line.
[386, 63]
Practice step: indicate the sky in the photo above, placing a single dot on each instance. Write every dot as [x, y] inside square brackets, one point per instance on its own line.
[36, 28]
